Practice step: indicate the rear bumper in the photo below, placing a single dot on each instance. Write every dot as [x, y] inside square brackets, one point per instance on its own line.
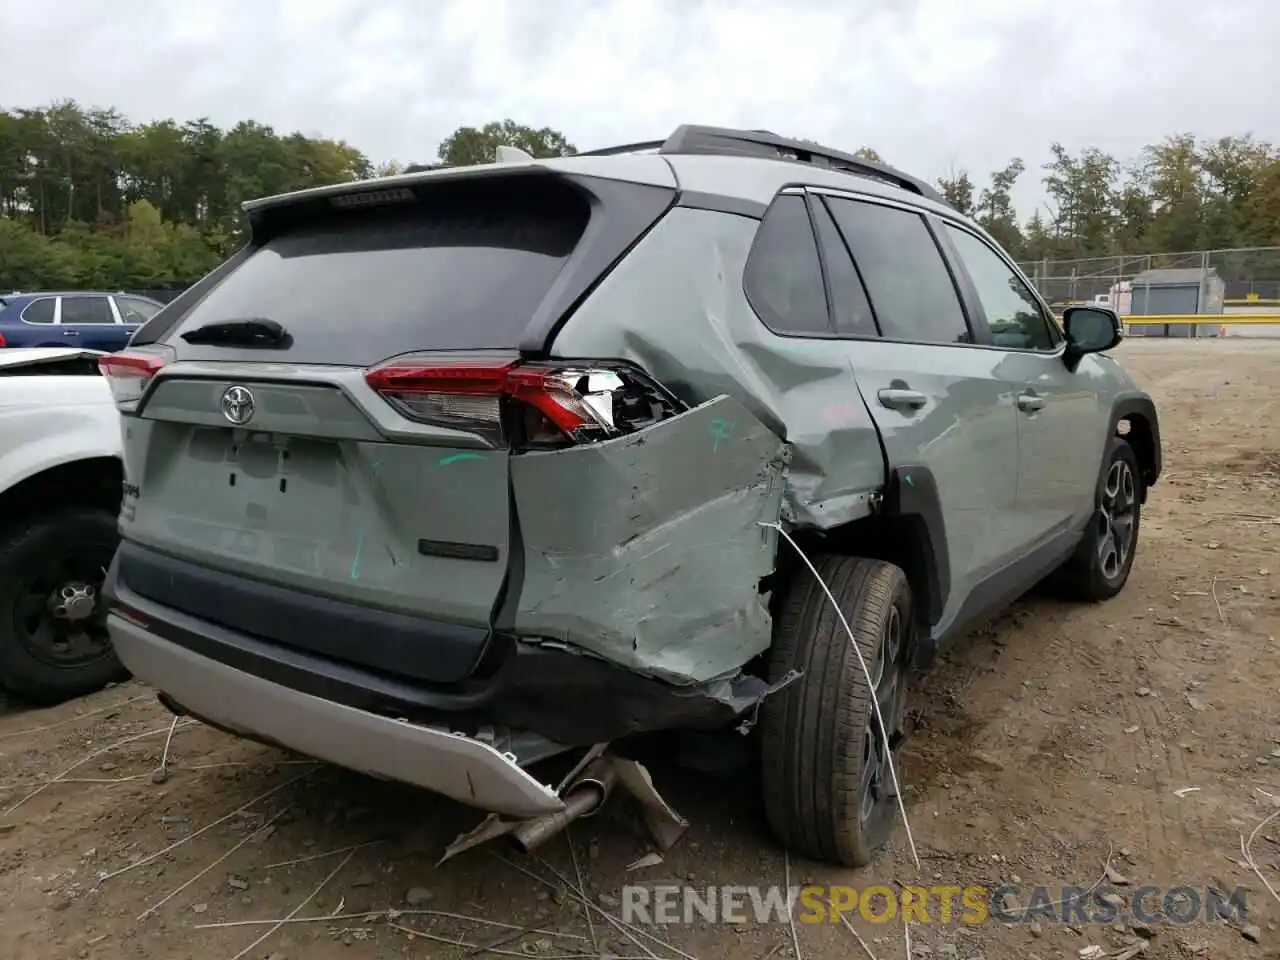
[457, 766]
[552, 692]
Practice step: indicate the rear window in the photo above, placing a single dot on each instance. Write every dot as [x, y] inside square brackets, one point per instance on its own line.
[464, 268]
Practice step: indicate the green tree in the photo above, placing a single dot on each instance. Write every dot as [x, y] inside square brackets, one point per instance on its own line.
[958, 190]
[471, 145]
[1172, 181]
[994, 210]
[89, 199]
[1084, 190]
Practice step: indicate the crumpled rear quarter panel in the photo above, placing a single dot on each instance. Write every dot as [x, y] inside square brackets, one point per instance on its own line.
[648, 550]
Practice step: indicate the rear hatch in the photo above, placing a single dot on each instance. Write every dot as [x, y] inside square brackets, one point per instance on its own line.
[318, 438]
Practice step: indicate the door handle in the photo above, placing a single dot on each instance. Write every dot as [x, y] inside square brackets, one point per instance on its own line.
[1029, 402]
[898, 399]
[71, 333]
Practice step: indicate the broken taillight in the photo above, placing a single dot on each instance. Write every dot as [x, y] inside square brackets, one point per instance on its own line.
[127, 374]
[544, 403]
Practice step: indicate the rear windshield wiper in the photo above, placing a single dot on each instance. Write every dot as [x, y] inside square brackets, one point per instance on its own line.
[247, 332]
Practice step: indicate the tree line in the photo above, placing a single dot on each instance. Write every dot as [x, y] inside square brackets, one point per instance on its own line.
[90, 200]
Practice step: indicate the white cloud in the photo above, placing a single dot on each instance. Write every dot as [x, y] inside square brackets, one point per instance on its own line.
[931, 84]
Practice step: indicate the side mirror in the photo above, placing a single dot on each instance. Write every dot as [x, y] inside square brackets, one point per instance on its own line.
[1090, 330]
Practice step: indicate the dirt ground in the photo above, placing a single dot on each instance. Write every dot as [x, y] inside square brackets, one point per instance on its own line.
[1146, 729]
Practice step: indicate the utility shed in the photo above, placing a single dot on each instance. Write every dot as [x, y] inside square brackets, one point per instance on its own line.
[1166, 292]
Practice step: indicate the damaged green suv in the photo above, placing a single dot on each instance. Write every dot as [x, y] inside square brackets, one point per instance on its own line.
[446, 474]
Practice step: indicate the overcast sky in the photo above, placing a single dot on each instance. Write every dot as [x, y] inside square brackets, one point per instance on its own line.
[933, 85]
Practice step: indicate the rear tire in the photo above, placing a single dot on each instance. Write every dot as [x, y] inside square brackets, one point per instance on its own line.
[1099, 568]
[53, 641]
[828, 794]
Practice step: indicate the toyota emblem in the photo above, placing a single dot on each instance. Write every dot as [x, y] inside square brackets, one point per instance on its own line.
[237, 405]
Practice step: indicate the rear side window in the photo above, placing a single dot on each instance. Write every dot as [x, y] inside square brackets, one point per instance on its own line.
[87, 310]
[133, 310]
[849, 301]
[465, 269]
[783, 276]
[907, 280]
[40, 311]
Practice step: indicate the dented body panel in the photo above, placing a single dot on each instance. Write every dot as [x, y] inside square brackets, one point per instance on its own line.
[648, 550]
[696, 333]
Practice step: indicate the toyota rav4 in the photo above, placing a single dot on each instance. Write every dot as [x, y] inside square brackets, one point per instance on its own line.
[560, 485]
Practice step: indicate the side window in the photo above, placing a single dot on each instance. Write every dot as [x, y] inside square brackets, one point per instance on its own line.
[783, 278]
[910, 287]
[1015, 317]
[849, 301]
[86, 310]
[39, 311]
[133, 310]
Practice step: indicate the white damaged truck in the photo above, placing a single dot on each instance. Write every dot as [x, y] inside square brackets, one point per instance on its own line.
[60, 490]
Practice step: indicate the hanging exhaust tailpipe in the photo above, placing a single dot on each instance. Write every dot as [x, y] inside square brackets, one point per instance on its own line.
[582, 798]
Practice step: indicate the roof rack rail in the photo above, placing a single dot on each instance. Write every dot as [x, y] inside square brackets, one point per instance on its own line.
[726, 141]
[624, 148]
[423, 167]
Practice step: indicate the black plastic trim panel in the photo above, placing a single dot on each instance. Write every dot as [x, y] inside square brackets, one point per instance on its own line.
[412, 647]
[1136, 403]
[568, 697]
[622, 213]
[912, 494]
[722, 203]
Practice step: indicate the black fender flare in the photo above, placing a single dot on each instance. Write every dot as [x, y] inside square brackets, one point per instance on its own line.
[1135, 403]
[911, 495]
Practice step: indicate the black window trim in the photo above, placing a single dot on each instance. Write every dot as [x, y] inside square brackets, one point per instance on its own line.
[1046, 315]
[765, 315]
[812, 201]
[978, 336]
[57, 312]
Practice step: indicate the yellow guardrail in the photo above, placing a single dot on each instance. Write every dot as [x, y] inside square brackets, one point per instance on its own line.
[1203, 319]
[1253, 302]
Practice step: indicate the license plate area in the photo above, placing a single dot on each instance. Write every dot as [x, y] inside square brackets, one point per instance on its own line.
[264, 463]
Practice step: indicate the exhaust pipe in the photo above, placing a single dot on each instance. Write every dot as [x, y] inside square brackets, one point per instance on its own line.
[584, 797]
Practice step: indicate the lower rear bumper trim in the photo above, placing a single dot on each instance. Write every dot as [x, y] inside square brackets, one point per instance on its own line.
[435, 759]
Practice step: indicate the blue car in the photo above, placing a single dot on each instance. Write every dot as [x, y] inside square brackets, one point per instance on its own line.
[88, 319]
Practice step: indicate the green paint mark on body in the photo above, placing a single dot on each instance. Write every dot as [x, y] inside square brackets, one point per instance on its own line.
[457, 458]
[355, 561]
[719, 430]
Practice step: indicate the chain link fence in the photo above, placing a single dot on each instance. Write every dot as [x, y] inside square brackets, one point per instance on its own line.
[1250, 275]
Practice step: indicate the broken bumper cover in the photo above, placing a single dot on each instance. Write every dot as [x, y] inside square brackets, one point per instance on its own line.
[570, 698]
[457, 766]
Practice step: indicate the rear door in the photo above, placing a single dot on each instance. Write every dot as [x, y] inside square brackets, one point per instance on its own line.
[33, 324]
[937, 398]
[90, 322]
[360, 455]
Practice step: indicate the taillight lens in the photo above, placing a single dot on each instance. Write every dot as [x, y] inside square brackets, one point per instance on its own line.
[127, 375]
[2, 341]
[553, 402]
